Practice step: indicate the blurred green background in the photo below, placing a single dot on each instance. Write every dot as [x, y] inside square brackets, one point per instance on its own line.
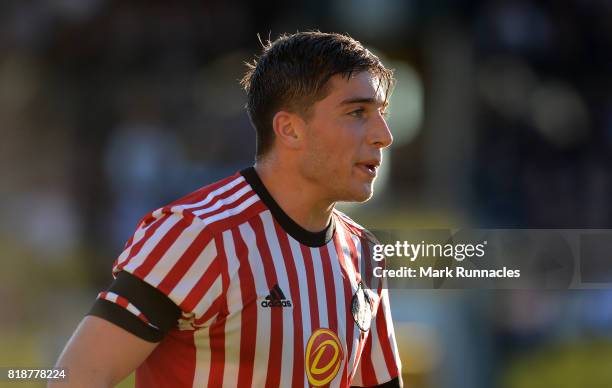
[502, 117]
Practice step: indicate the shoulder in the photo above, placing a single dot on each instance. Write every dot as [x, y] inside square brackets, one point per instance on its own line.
[176, 244]
[352, 227]
[187, 225]
[216, 207]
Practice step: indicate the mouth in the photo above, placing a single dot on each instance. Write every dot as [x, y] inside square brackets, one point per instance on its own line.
[369, 167]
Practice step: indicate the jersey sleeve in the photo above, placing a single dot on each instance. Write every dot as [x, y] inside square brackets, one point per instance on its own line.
[169, 269]
[379, 364]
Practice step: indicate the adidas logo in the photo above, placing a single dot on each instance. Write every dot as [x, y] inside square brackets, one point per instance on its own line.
[276, 298]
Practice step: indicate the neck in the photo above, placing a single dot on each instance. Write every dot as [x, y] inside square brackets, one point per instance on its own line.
[295, 196]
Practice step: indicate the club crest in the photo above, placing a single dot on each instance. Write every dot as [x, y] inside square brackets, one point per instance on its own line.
[361, 307]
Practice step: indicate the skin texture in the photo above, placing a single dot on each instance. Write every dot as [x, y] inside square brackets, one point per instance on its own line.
[319, 161]
[313, 164]
[100, 354]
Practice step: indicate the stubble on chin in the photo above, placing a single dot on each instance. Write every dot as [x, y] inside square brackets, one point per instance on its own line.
[329, 181]
[355, 192]
[320, 171]
[363, 196]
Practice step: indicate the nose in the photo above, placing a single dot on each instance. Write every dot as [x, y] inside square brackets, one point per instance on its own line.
[380, 134]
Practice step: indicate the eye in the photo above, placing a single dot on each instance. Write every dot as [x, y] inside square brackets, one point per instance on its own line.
[357, 113]
[384, 113]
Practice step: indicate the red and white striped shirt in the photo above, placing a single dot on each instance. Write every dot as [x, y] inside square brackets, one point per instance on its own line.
[263, 302]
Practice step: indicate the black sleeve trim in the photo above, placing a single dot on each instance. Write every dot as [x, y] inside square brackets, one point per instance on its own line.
[121, 317]
[389, 384]
[159, 310]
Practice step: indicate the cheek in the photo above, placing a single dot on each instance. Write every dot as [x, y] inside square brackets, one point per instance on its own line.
[320, 158]
[333, 156]
[332, 148]
[339, 140]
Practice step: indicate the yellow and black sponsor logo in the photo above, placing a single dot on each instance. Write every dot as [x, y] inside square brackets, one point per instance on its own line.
[323, 357]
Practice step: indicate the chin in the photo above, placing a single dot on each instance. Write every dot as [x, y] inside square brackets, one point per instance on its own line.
[361, 195]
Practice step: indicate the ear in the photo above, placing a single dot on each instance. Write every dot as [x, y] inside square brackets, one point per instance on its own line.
[289, 129]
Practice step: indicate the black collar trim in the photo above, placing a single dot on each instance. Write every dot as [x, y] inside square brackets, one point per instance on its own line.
[311, 239]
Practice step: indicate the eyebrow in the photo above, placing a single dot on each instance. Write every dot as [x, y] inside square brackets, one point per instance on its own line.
[363, 100]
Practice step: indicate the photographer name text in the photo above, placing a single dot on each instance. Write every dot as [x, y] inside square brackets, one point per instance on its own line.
[459, 252]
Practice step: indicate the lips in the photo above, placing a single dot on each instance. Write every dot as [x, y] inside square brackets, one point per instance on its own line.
[369, 167]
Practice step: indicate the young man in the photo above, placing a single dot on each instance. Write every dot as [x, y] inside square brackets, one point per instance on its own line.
[256, 280]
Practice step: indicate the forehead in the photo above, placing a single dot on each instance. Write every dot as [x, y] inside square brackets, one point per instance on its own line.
[362, 85]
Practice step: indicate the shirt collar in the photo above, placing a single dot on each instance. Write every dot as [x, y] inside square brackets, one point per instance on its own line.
[311, 239]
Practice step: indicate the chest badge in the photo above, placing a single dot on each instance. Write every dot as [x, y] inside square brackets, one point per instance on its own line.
[361, 307]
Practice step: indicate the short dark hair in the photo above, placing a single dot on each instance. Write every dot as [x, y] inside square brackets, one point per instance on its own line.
[292, 73]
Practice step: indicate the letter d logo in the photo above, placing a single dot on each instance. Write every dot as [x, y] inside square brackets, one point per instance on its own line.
[323, 357]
